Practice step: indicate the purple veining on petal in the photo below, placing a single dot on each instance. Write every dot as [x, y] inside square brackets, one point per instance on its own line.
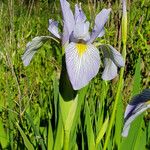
[79, 14]
[81, 69]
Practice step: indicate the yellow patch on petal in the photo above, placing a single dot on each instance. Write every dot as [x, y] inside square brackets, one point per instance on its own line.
[81, 48]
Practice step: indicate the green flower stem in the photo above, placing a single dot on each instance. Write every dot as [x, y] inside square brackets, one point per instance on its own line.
[120, 84]
[68, 110]
[66, 139]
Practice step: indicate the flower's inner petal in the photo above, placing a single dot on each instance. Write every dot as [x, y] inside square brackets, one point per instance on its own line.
[79, 14]
[81, 31]
[53, 28]
[68, 20]
[100, 21]
[83, 62]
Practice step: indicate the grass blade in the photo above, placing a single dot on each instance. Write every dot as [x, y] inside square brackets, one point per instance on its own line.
[3, 136]
[89, 128]
[102, 131]
[50, 137]
[25, 139]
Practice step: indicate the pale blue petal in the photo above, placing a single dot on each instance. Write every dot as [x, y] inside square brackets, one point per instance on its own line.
[100, 21]
[139, 109]
[112, 60]
[81, 31]
[143, 97]
[81, 68]
[138, 105]
[68, 20]
[129, 109]
[125, 130]
[101, 33]
[110, 70]
[116, 57]
[79, 14]
[53, 28]
[32, 48]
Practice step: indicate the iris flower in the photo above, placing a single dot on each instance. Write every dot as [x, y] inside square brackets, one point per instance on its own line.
[81, 56]
[138, 105]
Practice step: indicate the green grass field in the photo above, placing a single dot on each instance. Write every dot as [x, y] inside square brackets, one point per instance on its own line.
[36, 111]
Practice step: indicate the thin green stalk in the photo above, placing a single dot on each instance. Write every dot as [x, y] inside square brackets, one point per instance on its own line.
[124, 38]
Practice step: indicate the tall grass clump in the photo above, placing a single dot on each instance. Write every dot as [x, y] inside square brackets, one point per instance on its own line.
[39, 109]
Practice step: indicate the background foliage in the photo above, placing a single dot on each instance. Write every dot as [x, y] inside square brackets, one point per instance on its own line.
[30, 116]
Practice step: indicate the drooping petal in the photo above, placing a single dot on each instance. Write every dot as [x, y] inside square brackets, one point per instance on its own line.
[83, 62]
[100, 21]
[110, 70]
[53, 28]
[79, 14]
[112, 59]
[81, 31]
[116, 56]
[68, 20]
[32, 47]
[138, 105]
